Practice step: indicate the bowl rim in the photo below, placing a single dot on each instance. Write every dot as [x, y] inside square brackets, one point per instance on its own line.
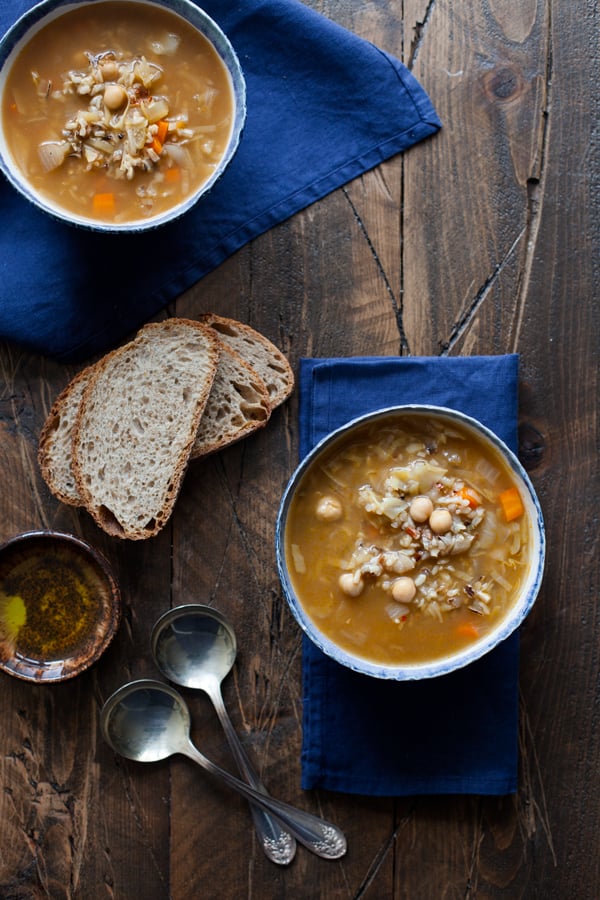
[54, 671]
[445, 665]
[46, 11]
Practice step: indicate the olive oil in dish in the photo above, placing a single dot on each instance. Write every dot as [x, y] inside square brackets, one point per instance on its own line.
[59, 606]
[52, 601]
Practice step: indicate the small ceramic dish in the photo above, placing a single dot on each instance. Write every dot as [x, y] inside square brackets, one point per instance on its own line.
[405, 592]
[131, 188]
[60, 606]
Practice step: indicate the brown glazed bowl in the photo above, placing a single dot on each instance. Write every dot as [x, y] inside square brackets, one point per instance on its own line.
[60, 606]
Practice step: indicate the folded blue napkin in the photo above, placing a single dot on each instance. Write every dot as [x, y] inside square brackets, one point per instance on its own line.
[451, 735]
[324, 106]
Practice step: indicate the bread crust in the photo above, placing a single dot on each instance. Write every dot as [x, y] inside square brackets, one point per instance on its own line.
[259, 352]
[234, 402]
[100, 479]
[238, 405]
[56, 440]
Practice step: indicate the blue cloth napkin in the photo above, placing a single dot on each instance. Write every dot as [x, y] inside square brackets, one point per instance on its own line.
[451, 735]
[324, 106]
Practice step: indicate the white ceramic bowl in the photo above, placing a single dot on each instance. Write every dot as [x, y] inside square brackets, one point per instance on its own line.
[521, 605]
[34, 19]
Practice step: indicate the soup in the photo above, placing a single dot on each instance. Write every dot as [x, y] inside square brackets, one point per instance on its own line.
[116, 113]
[407, 541]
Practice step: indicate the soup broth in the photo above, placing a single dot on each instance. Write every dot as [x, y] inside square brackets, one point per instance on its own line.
[407, 541]
[117, 113]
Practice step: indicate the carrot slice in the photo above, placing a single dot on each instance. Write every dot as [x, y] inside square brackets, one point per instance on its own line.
[470, 495]
[467, 630]
[156, 145]
[173, 175]
[104, 204]
[162, 129]
[511, 503]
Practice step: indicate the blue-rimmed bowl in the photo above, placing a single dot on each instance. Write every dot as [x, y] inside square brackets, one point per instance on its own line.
[522, 603]
[36, 18]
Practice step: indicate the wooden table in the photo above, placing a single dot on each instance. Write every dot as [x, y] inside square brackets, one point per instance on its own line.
[483, 240]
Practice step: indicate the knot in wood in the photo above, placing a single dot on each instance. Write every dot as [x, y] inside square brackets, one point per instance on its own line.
[531, 445]
[504, 84]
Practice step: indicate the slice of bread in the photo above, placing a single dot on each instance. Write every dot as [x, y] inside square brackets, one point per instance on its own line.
[238, 404]
[259, 352]
[137, 422]
[56, 437]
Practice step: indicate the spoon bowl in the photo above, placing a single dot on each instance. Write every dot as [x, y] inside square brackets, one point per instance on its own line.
[147, 721]
[195, 646]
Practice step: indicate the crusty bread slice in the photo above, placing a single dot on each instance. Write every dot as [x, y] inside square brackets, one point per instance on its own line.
[238, 404]
[259, 352]
[56, 437]
[137, 422]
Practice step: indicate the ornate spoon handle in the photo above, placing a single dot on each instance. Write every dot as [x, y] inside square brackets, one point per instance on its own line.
[277, 843]
[317, 835]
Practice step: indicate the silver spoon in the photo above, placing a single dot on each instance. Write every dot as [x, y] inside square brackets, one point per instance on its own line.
[147, 721]
[195, 646]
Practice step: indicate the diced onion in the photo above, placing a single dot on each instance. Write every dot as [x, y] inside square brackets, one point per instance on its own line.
[178, 154]
[397, 611]
[167, 45]
[487, 471]
[53, 154]
[499, 579]
[299, 563]
[157, 109]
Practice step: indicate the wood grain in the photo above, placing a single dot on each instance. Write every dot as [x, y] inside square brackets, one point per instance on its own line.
[483, 240]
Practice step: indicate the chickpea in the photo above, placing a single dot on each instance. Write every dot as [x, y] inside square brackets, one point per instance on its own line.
[420, 509]
[109, 70]
[349, 586]
[329, 509]
[403, 589]
[440, 521]
[115, 96]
